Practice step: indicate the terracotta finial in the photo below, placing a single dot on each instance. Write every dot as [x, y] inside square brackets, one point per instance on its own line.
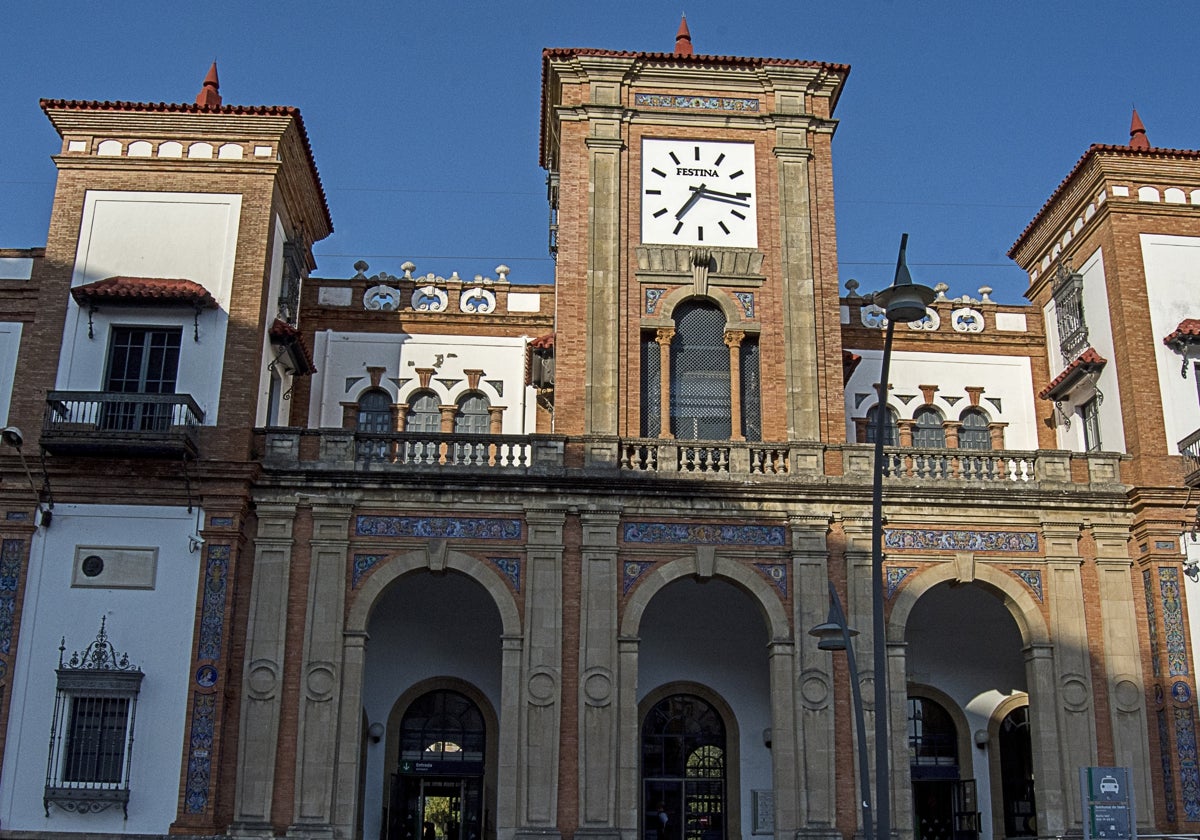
[683, 38]
[1137, 133]
[210, 95]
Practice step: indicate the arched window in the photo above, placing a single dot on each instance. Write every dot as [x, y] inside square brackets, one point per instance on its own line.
[700, 402]
[375, 412]
[932, 738]
[423, 413]
[684, 770]
[472, 417]
[929, 433]
[974, 433]
[890, 426]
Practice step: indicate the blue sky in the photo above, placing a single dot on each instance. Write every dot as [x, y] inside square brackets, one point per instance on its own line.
[957, 122]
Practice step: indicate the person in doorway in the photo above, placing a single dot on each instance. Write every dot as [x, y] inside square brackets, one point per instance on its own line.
[663, 819]
[430, 833]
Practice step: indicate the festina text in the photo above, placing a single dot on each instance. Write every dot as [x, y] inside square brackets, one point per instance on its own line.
[707, 173]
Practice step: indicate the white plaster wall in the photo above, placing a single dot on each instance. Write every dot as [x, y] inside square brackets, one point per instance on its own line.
[1172, 266]
[189, 236]
[153, 626]
[10, 345]
[1099, 325]
[16, 268]
[269, 350]
[342, 360]
[712, 633]
[1008, 379]
[1190, 545]
[424, 627]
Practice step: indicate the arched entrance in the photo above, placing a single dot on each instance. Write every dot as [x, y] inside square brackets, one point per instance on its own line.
[684, 763]
[945, 805]
[438, 781]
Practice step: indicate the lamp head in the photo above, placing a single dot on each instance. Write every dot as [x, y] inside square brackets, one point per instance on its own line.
[904, 300]
[12, 436]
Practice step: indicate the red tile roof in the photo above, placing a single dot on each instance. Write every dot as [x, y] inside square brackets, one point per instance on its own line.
[1095, 150]
[544, 342]
[144, 291]
[1089, 360]
[192, 108]
[284, 333]
[850, 362]
[1187, 331]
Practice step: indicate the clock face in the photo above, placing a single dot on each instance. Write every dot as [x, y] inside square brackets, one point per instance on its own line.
[699, 192]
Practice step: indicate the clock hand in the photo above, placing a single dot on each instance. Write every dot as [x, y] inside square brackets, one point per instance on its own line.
[720, 197]
[697, 193]
[711, 193]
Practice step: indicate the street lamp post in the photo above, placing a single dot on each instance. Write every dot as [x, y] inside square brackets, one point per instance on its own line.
[902, 301]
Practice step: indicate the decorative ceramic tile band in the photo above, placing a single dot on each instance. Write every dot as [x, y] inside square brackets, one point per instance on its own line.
[200, 744]
[777, 574]
[434, 527]
[1032, 579]
[363, 563]
[922, 539]
[511, 569]
[1172, 610]
[631, 572]
[10, 574]
[704, 534]
[652, 298]
[695, 103]
[746, 299]
[212, 617]
[220, 522]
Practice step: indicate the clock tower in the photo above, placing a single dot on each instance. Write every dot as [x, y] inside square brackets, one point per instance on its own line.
[697, 287]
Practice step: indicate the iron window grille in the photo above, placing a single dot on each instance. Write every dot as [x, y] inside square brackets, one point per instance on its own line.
[289, 287]
[1090, 412]
[1068, 308]
[929, 433]
[651, 386]
[751, 394]
[91, 735]
[700, 398]
[974, 433]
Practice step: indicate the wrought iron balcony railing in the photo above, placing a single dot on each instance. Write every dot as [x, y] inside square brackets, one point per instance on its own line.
[94, 423]
[1189, 447]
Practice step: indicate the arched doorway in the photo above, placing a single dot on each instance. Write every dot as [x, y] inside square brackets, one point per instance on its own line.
[945, 805]
[684, 765]
[438, 781]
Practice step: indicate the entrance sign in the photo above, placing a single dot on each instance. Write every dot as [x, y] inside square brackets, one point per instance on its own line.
[1108, 803]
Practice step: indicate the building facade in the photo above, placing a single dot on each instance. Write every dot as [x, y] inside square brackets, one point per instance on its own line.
[407, 556]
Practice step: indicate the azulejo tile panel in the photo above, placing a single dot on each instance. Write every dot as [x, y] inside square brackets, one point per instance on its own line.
[363, 564]
[896, 576]
[510, 567]
[690, 533]
[1164, 740]
[212, 617]
[925, 539]
[1151, 622]
[631, 572]
[1189, 770]
[1172, 612]
[10, 575]
[435, 527]
[777, 574]
[199, 765]
[694, 103]
[1032, 578]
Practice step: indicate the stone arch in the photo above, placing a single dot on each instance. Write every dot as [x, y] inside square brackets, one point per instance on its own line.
[962, 727]
[361, 607]
[735, 316]
[1016, 599]
[750, 582]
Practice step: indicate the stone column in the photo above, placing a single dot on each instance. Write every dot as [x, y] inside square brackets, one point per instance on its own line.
[349, 735]
[321, 674]
[449, 412]
[598, 695]
[813, 793]
[1073, 681]
[799, 299]
[951, 428]
[733, 340]
[664, 337]
[262, 675]
[604, 275]
[1123, 663]
[629, 756]
[541, 706]
[904, 432]
[512, 692]
[1043, 733]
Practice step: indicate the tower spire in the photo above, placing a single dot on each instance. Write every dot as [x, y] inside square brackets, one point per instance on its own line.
[683, 38]
[1137, 133]
[210, 94]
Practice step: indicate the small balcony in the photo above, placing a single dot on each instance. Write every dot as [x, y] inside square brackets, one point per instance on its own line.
[107, 423]
[1189, 447]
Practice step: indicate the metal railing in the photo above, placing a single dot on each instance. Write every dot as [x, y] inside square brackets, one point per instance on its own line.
[84, 420]
[1189, 447]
